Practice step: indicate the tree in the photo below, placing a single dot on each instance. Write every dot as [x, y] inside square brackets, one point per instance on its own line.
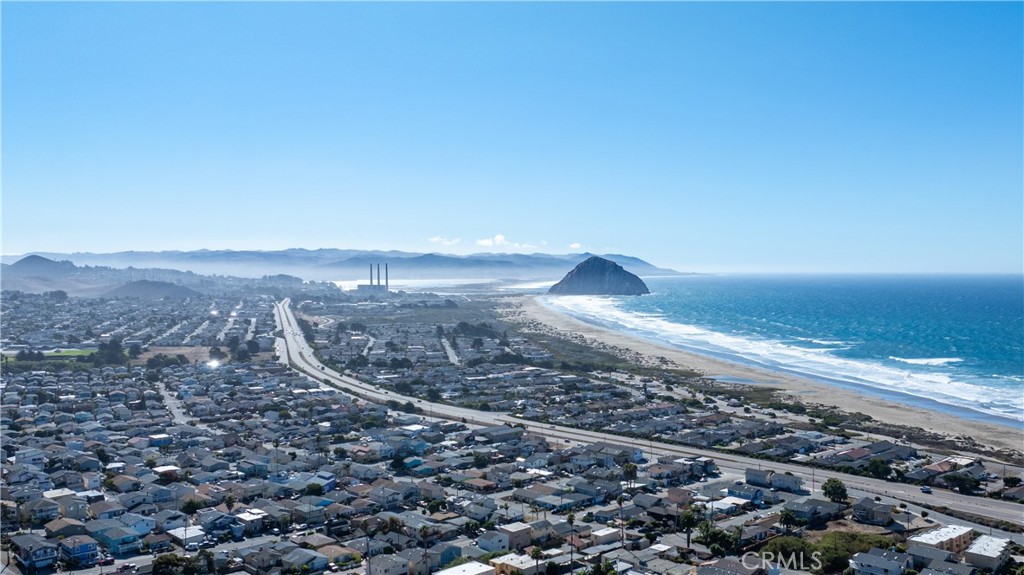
[229, 502]
[253, 346]
[788, 519]
[433, 395]
[629, 473]
[878, 468]
[314, 489]
[835, 490]
[536, 553]
[190, 506]
[706, 532]
[135, 351]
[1011, 481]
[398, 463]
[687, 522]
[961, 482]
[571, 520]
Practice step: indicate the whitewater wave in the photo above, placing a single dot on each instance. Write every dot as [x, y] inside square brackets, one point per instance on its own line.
[809, 362]
[928, 361]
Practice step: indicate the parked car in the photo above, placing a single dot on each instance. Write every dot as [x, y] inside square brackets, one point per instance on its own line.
[926, 489]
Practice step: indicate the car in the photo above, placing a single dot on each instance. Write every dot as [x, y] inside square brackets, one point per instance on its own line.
[192, 547]
[275, 531]
[125, 567]
[207, 544]
[105, 561]
[926, 489]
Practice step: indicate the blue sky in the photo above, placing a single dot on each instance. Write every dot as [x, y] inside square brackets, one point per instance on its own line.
[876, 137]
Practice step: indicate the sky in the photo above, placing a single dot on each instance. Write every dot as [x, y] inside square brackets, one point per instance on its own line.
[708, 137]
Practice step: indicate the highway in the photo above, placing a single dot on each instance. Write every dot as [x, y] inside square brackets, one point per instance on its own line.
[300, 356]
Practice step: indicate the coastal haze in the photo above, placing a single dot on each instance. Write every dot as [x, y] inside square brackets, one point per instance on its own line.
[498, 288]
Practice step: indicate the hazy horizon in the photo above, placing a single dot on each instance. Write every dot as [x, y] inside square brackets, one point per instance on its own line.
[701, 137]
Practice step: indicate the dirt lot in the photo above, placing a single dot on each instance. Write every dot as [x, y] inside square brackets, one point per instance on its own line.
[193, 353]
[813, 536]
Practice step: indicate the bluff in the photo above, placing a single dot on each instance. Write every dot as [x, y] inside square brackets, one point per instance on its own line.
[598, 276]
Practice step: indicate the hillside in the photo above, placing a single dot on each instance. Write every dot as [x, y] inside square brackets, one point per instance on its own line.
[147, 289]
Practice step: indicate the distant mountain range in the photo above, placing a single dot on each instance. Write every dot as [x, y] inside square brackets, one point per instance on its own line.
[36, 274]
[337, 264]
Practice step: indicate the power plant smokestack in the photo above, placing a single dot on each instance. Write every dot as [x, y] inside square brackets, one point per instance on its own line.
[387, 284]
[378, 274]
[371, 274]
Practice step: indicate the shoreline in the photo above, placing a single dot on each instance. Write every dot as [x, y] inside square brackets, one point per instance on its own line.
[884, 410]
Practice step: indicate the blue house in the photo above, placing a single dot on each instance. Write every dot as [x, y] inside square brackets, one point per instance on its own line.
[80, 549]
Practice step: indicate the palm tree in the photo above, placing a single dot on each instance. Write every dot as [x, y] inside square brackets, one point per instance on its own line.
[788, 519]
[424, 533]
[365, 526]
[536, 555]
[629, 472]
[504, 506]
[571, 520]
[687, 521]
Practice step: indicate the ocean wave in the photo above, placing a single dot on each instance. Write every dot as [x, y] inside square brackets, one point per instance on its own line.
[808, 362]
[824, 341]
[928, 361]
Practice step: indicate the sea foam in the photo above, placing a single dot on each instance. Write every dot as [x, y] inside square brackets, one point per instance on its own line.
[928, 361]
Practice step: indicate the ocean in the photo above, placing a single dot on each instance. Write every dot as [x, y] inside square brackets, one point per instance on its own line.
[948, 343]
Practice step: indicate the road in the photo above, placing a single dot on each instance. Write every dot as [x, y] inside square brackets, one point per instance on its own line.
[300, 356]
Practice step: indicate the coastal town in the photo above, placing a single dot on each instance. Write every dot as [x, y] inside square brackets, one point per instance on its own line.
[289, 427]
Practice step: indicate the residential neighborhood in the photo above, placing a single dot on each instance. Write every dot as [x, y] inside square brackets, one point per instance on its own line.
[245, 465]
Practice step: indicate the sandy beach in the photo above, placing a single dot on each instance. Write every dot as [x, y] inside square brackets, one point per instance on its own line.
[530, 311]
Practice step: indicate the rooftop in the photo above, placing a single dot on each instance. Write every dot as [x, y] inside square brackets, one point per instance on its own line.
[943, 533]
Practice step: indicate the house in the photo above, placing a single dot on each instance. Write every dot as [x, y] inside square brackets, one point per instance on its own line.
[106, 509]
[170, 519]
[140, 524]
[867, 510]
[390, 565]
[120, 540]
[952, 538]
[518, 533]
[64, 527]
[814, 510]
[443, 554]
[987, 552]
[747, 492]
[493, 541]
[41, 511]
[471, 568]
[787, 482]
[79, 549]
[73, 507]
[923, 555]
[32, 551]
[871, 564]
[305, 560]
[157, 542]
[516, 563]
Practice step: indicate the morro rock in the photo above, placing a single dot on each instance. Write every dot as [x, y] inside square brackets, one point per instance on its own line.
[598, 276]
